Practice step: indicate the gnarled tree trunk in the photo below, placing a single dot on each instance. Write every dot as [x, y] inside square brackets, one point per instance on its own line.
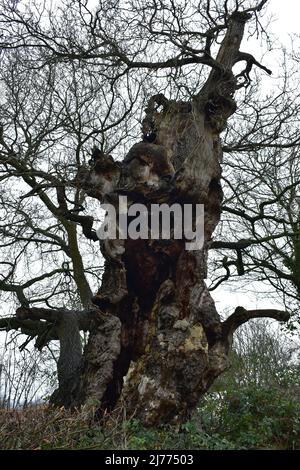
[160, 316]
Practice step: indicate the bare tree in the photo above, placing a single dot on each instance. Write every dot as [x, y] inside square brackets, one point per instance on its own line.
[92, 71]
[258, 239]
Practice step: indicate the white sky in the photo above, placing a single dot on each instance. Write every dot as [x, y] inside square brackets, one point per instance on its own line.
[286, 13]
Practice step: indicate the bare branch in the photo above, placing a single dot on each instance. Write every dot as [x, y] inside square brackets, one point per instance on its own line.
[241, 315]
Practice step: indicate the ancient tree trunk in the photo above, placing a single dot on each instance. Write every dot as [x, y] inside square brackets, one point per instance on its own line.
[161, 318]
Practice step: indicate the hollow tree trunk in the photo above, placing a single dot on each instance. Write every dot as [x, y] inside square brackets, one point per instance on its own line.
[171, 330]
[161, 318]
